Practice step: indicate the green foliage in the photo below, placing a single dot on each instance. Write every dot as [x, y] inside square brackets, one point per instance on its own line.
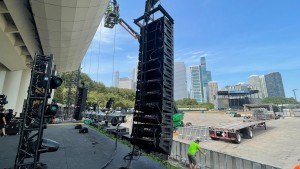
[192, 103]
[187, 101]
[97, 92]
[279, 100]
[207, 105]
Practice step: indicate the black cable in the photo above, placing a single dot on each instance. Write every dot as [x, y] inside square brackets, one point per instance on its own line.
[115, 150]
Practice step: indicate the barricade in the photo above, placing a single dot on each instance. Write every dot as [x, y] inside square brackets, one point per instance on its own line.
[213, 159]
[193, 133]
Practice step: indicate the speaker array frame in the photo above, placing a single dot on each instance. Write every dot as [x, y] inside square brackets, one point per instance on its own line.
[154, 105]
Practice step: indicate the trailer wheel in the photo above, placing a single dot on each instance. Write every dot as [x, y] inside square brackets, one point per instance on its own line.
[248, 133]
[238, 138]
[213, 138]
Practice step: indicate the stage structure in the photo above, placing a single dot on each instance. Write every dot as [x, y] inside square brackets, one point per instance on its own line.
[235, 99]
[37, 112]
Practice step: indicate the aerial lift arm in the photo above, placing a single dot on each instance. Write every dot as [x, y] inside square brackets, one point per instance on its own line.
[129, 29]
[112, 17]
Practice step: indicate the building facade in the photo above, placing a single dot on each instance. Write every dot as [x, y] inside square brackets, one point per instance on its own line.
[255, 84]
[199, 81]
[205, 78]
[213, 93]
[274, 84]
[196, 87]
[125, 83]
[180, 81]
[264, 91]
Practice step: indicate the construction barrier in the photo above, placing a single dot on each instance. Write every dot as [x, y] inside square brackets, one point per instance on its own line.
[213, 159]
[193, 133]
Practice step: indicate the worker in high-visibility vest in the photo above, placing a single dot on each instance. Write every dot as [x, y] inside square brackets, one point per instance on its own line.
[297, 166]
[193, 148]
[109, 8]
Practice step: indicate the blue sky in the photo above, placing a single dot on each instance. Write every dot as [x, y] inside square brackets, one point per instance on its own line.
[238, 39]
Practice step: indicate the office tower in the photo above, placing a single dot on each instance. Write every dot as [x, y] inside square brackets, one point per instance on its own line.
[205, 78]
[213, 93]
[264, 91]
[196, 85]
[200, 75]
[125, 83]
[180, 83]
[255, 84]
[116, 79]
[274, 84]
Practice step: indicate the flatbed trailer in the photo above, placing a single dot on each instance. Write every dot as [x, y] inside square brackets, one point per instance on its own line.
[235, 131]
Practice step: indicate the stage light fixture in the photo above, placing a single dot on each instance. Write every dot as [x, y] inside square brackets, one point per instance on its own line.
[47, 145]
[55, 82]
[51, 109]
[3, 99]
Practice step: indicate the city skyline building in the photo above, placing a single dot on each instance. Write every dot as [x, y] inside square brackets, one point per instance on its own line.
[256, 84]
[205, 78]
[125, 83]
[196, 91]
[180, 81]
[263, 86]
[213, 93]
[200, 77]
[274, 84]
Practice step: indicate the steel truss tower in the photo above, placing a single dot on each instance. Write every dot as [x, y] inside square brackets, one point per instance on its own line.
[34, 120]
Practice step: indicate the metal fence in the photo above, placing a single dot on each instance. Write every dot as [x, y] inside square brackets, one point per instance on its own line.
[213, 159]
[194, 132]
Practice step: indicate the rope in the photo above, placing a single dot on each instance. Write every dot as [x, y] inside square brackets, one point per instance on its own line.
[113, 72]
[91, 47]
[99, 52]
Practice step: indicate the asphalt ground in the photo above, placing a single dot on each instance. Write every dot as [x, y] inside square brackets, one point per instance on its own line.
[77, 151]
[278, 146]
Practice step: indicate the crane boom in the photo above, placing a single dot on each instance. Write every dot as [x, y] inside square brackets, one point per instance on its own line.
[129, 29]
[112, 17]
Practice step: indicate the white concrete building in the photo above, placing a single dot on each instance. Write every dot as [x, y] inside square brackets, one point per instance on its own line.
[180, 81]
[255, 83]
[125, 83]
[263, 86]
[64, 28]
[213, 93]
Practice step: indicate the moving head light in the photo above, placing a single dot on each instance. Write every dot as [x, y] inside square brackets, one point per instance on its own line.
[3, 99]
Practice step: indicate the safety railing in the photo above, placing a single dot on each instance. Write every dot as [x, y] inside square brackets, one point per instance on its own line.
[193, 133]
[213, 159]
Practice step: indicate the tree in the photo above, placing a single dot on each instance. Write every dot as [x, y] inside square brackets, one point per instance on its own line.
[187, 101]
[97, 92]
[207, 105]
[279, 100]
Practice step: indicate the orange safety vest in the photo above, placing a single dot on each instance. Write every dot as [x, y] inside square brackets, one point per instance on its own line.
[297, 166]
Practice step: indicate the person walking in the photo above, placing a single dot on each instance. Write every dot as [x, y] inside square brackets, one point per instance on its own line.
[193, 148]
[2, 122]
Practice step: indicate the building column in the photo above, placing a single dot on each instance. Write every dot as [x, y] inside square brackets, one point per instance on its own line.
[2, 79]
[11, 88]
[22, 94]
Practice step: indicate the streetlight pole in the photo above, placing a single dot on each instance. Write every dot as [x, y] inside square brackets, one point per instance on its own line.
[295, 94]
